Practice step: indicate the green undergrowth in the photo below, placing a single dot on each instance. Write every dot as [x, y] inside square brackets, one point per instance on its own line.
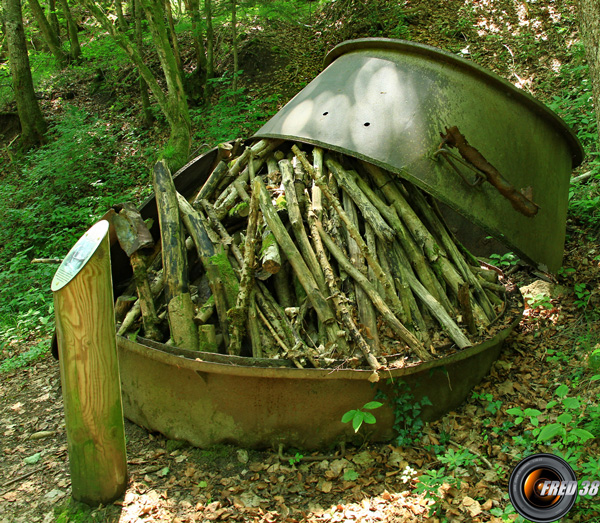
[574, 105]
[50, 197]
[234, 114]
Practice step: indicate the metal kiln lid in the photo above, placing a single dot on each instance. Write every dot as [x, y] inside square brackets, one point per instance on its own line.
[387, 101]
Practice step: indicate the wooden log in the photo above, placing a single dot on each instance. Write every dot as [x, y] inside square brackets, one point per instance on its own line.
[380, 304]
[296, 344]
[205, 311]
[366, 311]
[135, 239]
[91, 387]
[136, 311]
[316, 195]
[211, 184]
[368, 210]
[269, 253]
[486, 274]
[297, 223]
[282, 282]
[174, 254]
[420, 233]
[296, 261]
[430, 302]
[421, 265]
[123, 306]
[238, 314]
[437, 225]
[254, 329]
[181, 321]
[339, 300]
[244, 176]
[464, 300]
[354, 233]
[149, 316]
[221, 277]
[414, 317]
[207, 338]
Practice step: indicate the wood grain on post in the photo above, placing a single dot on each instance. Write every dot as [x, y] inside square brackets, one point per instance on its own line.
[85, 326]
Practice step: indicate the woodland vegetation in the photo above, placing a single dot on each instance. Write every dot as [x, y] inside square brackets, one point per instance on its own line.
[94, 93]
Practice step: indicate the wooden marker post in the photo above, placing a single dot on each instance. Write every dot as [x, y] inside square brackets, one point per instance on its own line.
[91, 386]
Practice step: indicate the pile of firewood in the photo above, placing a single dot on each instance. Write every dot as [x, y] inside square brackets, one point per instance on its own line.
[298, 253]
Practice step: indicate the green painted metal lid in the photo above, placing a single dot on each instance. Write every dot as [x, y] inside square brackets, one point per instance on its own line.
[387, 101]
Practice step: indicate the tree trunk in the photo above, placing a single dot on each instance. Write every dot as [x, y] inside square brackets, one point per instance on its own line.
[178, 147]
[193, 7]
[234, 45]
[47, 32]
[148, 118]
[53, 18]
[33, 125]
[589, 24]
[210, 45]
[174, 104]
[120, 17]
[173, 36]
[72, 30]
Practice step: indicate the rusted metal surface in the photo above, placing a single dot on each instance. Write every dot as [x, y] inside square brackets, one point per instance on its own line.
[131, 230]
[174, 392]
[387, 101]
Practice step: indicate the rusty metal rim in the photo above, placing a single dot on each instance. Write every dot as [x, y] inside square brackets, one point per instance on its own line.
[193, 361]
[577, 152]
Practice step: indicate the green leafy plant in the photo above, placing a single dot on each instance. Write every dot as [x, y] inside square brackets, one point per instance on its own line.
[564, 430]
[61, 189]
[505, 260]
[235, 114]
[362, 415]
[565, 271]
[492, 406]
[555, 355]
[430, 484]
[539, 300]
[408, 424]
[461, 458]
[37, 351]
[297, 458]
[350, 475]
[583, 295]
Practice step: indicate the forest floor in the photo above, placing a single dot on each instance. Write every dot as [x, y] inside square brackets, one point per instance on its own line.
[169, 481]
[524, 42]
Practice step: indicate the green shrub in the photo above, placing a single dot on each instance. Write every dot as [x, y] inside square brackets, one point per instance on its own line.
[234, 115]
[60, 190]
